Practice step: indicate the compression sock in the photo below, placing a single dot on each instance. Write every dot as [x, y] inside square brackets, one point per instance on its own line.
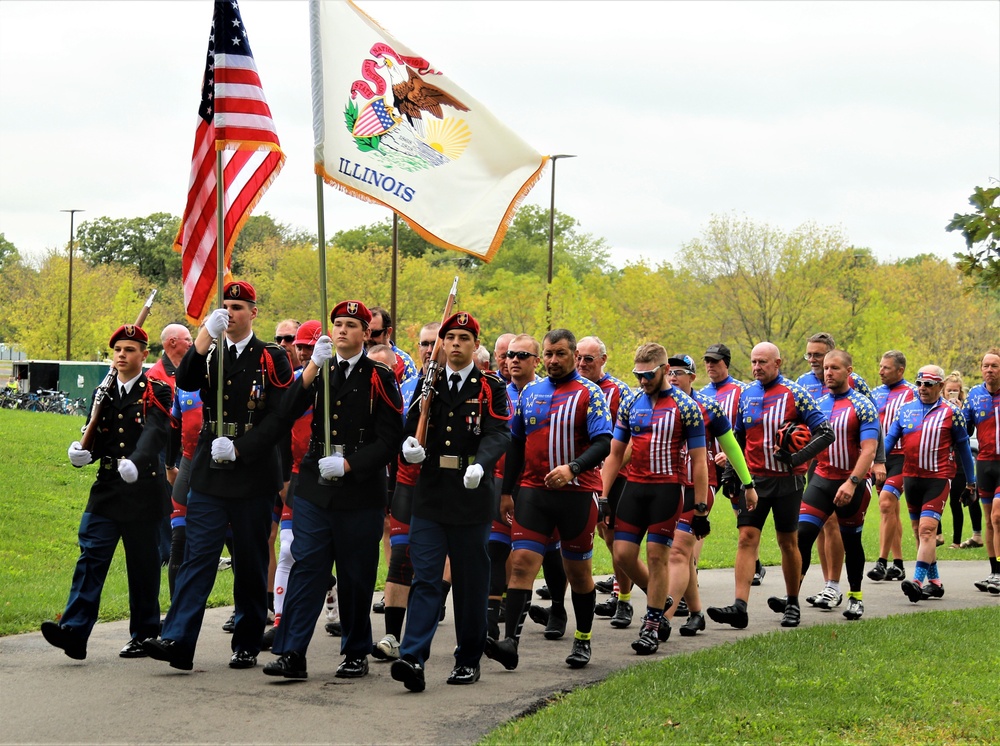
[583, 608]
[920, 573]
[554, 574]
[932, 572]
[394, 616]
[517, 609]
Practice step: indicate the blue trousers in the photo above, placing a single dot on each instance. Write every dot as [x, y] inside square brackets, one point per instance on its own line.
[208, 518]
[324, 536]
[430, 544]
[98, 538]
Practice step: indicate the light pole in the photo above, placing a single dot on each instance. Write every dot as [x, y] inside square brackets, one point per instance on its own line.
[552, 224]
[69, 299]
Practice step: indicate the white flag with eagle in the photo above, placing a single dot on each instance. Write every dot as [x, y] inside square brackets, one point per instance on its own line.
[390, 128]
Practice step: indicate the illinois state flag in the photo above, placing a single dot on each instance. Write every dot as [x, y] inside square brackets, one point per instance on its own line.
[391, 129]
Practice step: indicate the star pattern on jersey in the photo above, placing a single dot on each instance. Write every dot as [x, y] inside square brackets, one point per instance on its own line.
[803, 400]
[688, 408]
[863, 405]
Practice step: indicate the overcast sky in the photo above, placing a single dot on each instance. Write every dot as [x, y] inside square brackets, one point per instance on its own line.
[877, 117]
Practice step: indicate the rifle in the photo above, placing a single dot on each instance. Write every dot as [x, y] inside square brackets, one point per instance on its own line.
[434, 366]
[101, 393]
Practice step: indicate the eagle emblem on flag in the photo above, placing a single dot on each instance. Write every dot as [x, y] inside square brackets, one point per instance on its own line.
[413, 132]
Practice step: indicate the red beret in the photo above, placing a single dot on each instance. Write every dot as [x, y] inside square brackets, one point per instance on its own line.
[130, 332]
[353, 309]
[460, 320]
[308, 333]
[239, 291]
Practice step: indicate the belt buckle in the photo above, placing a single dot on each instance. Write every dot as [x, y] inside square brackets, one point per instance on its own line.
[450, 462]
[337, 449]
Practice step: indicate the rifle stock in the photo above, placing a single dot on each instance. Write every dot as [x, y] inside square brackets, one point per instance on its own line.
[101, 394]
[434, 367]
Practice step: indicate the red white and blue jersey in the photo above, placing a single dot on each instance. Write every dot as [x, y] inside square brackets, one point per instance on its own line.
[982, 409]
[716, 425]
[888, 400]
[764, 408]
[928, 432]
[187, 410]
[727, 394]
[659, 433]
[854, 419]
[616, 392]
[558, 420]
[301, 433]
[512, 396]
[817, 388]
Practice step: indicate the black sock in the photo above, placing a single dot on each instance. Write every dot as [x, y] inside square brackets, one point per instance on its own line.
[583, 608]
[898, 563]
[792, 601]
[394, 616]
[757, 567]
[517, 609]
[270, 600]
[884, 561]
[555, 575]
[994, 565]
[740, 604]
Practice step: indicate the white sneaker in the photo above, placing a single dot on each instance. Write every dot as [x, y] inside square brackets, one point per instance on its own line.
[811, 600]
[993, 584]
[388, 646]
[332, 606]
[829, 598]
[225, 563]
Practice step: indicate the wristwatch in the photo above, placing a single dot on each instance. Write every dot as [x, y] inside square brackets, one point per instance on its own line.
[751, 485]
[854, 480]
[701, 507]
[575, 468]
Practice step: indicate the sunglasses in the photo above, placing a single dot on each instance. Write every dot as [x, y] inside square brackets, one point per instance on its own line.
[426, 344]
[520, 355]
[588, 359]
[286, 338]
[376, 332]
[647, 375]
[926, 384]
[680, 372]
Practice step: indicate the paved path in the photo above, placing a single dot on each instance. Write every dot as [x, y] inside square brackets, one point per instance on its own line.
[48, 698]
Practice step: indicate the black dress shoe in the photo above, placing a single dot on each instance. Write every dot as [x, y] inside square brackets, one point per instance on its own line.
[410, 673]
[379, 606]
[243, 659]
[66, 639]
[268, 639]
[334, 628]
[230, 625]
[352, 668]
[134, 649]
[170, 651]
[290, 665]
[461, 675]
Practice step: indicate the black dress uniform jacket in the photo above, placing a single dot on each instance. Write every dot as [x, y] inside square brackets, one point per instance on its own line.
[252, 388]
[134, 428]
[473, 427]
[366, 419]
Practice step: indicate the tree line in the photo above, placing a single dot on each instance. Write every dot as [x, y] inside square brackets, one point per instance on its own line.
[740, 282]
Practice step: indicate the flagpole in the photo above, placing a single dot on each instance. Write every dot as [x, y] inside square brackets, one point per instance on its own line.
[220, 271]
[323, 313]
[395, 266]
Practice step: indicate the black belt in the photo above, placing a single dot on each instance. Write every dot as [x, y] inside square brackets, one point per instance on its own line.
[455, 462]
[229, 429]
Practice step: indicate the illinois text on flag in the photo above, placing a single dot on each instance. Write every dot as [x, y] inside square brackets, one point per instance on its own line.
[389, 128]
[234, 118]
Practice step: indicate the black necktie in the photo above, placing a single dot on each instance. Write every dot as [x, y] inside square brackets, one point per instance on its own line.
[233, 353]
[341, 375]
[455, 379]
[122, 392]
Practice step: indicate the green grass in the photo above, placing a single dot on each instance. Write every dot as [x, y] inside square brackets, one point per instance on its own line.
[44, 497]
[910, 679]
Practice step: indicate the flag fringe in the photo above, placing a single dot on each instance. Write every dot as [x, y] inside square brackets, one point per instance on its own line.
[498, 236]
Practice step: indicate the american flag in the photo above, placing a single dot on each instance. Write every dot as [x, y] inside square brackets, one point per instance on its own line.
[234, 118]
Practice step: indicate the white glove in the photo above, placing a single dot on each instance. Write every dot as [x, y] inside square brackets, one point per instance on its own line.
[128, 471]
[322, 351]
[217, 322]
[223, 450]
[413, 452]
[332, 466]
[78, 456]
[472, 476]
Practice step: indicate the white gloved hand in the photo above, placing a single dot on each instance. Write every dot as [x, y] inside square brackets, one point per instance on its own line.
[78, 456]
[332, 466]
[128, 470]
[413, 452]
[472, 476]
[223, 450]
[322, 351]
[217, 322]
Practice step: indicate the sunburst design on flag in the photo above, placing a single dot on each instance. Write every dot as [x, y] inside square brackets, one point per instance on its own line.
[448, 136]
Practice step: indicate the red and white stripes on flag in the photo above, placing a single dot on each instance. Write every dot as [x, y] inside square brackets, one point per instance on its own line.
[233, 118]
